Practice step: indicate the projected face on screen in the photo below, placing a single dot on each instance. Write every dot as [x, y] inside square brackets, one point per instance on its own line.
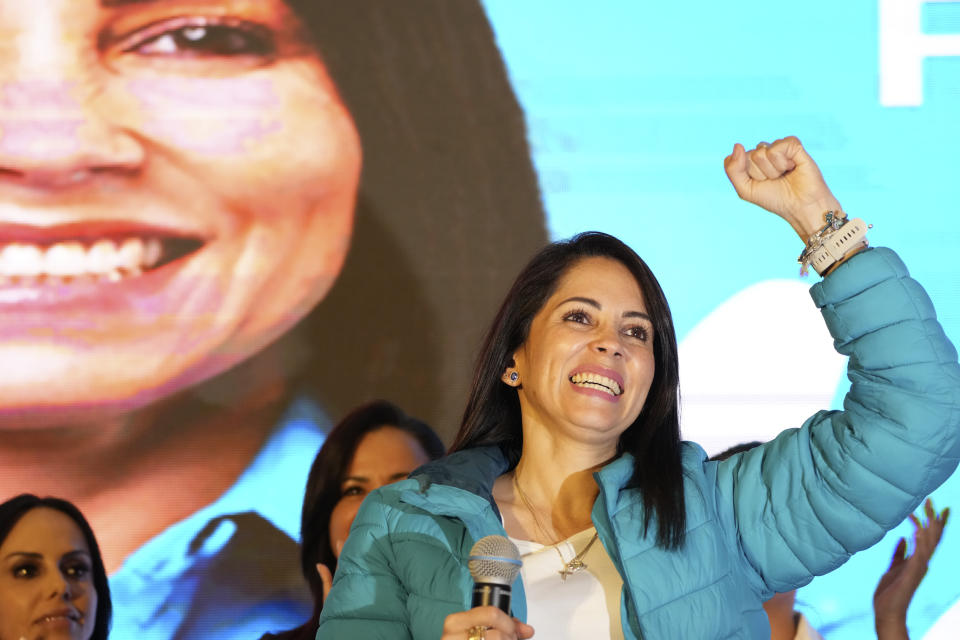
[177, 181]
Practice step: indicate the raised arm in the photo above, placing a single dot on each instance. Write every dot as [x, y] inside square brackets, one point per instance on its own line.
[805, 501]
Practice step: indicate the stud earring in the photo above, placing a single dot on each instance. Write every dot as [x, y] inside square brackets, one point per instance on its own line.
[514, 376]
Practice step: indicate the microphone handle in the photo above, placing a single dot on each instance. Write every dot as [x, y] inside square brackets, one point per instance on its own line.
[489, 594]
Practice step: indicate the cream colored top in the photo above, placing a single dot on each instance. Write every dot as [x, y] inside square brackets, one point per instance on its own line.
[586, 604]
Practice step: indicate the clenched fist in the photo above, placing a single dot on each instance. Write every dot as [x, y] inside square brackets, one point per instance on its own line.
[782, 178]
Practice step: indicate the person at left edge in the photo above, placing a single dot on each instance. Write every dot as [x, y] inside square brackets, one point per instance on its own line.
[53, 584]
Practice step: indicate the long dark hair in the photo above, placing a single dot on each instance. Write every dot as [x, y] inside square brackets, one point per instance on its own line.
[446, 168]
[492, 416]
[325, 483]
[15, 508]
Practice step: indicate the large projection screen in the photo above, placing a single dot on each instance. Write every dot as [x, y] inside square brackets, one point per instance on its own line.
[225, 223]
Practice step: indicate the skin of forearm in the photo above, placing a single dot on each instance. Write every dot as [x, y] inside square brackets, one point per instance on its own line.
[892, 629]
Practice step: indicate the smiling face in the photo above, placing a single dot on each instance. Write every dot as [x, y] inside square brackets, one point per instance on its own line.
[383, 456]
[46, 580]
[177, 183]
[588, 360]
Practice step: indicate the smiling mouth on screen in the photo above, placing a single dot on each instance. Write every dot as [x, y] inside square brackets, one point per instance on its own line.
[44, 264]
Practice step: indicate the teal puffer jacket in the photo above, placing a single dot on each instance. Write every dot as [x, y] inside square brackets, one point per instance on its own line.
[761, 522]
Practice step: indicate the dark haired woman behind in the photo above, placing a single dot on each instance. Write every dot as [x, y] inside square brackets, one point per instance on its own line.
[376, 444]
[53, 583]
[570, 445]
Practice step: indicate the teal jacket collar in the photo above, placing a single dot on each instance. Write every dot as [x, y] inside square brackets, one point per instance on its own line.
[475, 470]
[461, 486]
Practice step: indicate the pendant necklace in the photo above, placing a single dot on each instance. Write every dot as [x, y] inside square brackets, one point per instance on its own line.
[577, 564]
[569, 568]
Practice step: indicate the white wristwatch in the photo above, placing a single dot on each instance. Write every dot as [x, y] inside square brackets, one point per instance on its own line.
[838, 244]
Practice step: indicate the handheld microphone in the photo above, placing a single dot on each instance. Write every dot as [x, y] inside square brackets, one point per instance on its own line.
[494, 564]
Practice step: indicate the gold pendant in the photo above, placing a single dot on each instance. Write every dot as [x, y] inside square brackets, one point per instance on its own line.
[571, 568]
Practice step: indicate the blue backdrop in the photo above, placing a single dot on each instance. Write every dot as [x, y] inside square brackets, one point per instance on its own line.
[631, 108]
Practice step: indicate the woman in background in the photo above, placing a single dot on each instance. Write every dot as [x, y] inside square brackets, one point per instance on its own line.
[376, 444]
[52, 580]
[181, 185]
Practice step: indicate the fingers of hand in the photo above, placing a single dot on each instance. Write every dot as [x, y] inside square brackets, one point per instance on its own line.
[781, 162]
[499, 625]
[486, 634]
[899, 555]
[769, 162]
[735, 165]
[759, 166]
[934, 520]
[901, 551]
[523, 630]
[916, 522]
[928, 533]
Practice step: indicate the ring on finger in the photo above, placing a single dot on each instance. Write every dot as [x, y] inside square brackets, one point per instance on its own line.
[477, 633]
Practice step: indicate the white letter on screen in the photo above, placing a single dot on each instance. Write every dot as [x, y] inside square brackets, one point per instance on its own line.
[903, 47]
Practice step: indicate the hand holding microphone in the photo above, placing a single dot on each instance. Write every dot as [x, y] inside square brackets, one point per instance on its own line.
[494, 564]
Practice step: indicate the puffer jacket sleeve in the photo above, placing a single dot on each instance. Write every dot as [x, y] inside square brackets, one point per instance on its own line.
[800, 505]
[367, 600]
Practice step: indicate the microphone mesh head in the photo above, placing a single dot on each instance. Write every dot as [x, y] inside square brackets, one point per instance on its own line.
[494, 559]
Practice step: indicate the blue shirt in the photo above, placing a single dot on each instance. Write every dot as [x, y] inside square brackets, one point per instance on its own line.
[232, 569]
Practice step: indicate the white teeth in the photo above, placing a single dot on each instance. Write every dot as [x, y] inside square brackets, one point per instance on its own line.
[65, 259]
[102, 257]
[598, 387]
[597, 381]
[131, 253]
[53, 618]
[21, 260]
[70, 260]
